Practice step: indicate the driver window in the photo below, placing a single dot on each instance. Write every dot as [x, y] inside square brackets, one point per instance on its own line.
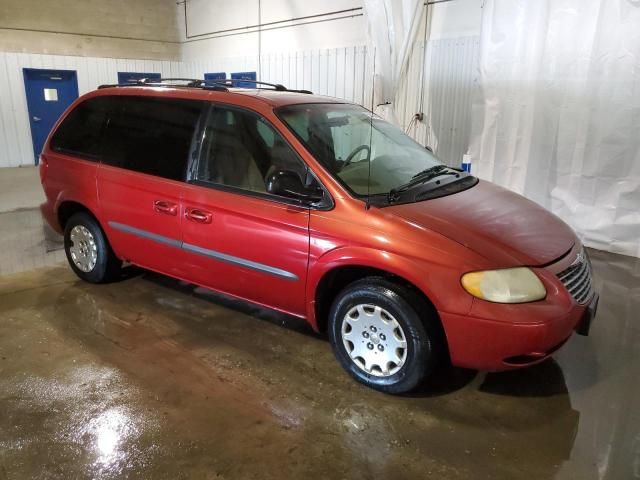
[241, 150]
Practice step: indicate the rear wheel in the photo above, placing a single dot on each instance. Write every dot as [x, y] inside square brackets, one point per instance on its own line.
[384, 335]
[88, 251]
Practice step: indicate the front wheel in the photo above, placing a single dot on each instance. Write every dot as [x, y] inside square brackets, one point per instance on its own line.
[384, 335]
[88, 251]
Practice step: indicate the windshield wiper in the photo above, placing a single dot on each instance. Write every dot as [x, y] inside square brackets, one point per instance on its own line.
[420, 178]
[429, 171]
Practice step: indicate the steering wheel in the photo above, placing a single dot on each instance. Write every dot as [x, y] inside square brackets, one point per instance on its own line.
[355, 152]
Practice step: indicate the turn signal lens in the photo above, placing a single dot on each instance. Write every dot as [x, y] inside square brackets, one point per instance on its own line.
[510, 285]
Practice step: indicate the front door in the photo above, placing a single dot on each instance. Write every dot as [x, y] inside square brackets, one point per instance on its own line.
[237, 238]
[49, 93]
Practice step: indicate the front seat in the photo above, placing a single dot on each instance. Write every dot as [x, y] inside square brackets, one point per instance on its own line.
[233, 163]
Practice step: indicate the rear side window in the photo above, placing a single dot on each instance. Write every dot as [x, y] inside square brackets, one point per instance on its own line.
[81, 131]
[151, 135]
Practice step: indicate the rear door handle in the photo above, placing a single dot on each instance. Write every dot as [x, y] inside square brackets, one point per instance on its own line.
[168, 208]
[198, 216]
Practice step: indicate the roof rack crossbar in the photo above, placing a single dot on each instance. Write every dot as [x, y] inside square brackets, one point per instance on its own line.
[277, 86]
[231, 82]
[217, 84]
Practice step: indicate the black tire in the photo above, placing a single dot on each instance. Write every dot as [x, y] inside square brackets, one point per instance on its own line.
[415, 316]
[107, 266]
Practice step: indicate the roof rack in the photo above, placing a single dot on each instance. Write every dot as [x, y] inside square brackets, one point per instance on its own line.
[169, 82]
[218, 84]
[276, 86]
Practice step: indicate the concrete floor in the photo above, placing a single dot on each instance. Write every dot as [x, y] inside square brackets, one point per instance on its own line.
[153, 378]
[26, 241]
[20, 188]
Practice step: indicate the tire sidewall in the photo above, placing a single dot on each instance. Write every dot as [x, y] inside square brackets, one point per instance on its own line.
[419, 344]
[98, 273]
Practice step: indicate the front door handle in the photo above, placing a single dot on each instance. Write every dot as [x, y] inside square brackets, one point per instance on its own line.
[198, 216]
[168, 208]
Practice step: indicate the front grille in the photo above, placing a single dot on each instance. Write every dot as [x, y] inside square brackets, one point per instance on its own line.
[577, 278]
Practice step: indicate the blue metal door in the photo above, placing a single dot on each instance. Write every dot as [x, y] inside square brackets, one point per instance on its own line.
[49, 93]
[133, 77]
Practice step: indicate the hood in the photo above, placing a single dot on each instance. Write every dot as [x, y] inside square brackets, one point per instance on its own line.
[498, 224]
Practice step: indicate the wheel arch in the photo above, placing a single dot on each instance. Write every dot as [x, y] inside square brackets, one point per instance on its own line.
[67, 208]
[332, 273]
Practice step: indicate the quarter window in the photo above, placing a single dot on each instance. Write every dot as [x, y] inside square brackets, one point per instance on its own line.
[151, 135]
[81, 131]
[242, 150]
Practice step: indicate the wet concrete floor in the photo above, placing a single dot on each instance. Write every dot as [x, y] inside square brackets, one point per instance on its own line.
[152, 378]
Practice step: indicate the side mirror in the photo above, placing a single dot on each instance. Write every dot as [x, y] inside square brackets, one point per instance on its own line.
[288, 184]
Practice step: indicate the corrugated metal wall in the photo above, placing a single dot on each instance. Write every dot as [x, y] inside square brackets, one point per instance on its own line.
[15, 135]
[448, 80]
[452, 78]
[346, 73]
[337, 72]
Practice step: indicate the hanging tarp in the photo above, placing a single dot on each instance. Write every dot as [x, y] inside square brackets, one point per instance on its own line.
[557, 113]
[392, 29]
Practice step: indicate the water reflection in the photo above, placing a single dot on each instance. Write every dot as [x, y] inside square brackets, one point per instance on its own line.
[110, 430]
[150, 378]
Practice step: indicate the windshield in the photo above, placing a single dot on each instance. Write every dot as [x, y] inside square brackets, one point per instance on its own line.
[344, 138]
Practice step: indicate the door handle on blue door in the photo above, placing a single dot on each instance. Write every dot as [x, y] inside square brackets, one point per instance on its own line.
[198, 216]
[36, 119]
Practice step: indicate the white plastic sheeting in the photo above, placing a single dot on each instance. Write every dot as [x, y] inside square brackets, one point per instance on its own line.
[557, 114]
[393, 25]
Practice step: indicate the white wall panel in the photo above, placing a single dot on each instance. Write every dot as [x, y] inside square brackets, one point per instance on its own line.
[452, 77]
[327, 30]
[341, 72]
[448, 79]
[15, 138]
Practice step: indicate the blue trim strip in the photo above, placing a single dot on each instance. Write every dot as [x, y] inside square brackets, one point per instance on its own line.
[223, 257]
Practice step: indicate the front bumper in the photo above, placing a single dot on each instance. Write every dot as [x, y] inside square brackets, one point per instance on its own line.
[589, 314]
[484, 344]
[496, 336]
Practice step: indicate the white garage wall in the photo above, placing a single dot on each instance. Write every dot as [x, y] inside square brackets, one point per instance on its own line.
[299, 63]
[449, 77]
[229, 19]
[341, 72]
[452, 76]
[337, 72]
[15, 135]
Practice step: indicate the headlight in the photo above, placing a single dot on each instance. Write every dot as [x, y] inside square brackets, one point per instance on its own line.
[510, 285]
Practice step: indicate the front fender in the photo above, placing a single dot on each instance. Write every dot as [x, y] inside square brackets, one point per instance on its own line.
[440, 283]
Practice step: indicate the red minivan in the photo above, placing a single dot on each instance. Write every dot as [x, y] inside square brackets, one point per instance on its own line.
[315, 207]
